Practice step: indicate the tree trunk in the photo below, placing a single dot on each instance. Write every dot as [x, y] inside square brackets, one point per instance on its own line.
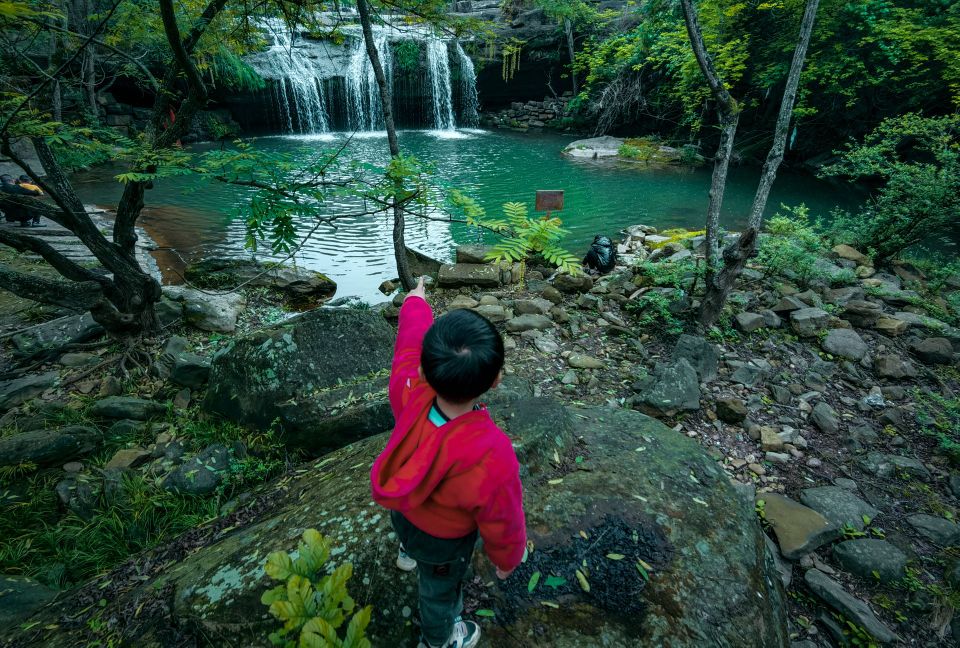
[735, 258]
[399, 247]
[568, 29]
[57, 102]
[729, 112]
[90, 72]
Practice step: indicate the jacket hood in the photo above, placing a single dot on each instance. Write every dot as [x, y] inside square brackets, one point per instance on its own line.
[407, 472]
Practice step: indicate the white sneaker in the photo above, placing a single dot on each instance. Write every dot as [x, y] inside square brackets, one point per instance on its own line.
[466, 634]
[404, 561]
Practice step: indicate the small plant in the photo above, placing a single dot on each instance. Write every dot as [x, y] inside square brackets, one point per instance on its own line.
[523, 236]
[654, 310]
[312, 607]
[851, 532]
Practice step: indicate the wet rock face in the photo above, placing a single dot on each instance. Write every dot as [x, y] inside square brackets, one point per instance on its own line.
[322, 375]
[639, 490]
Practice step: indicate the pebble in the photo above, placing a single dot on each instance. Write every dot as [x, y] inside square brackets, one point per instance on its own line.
[813, 462]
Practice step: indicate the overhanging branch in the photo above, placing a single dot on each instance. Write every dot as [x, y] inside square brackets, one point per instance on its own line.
[78, 296]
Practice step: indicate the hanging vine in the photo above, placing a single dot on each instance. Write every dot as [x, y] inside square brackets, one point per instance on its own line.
[511, 58]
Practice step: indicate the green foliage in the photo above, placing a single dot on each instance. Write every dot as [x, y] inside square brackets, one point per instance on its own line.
[311, 607]
[122, 517]
[867, 60]
[654, 311]
[406, 55]
[522, 235]
[916, 159]
[792, 246]
[939, 417]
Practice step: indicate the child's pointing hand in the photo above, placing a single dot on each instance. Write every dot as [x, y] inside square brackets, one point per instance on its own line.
[420, 291]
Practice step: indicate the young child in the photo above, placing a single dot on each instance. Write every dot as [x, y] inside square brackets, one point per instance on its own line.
[448, 472]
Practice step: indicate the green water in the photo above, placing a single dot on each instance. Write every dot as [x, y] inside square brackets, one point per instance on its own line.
[191, 220]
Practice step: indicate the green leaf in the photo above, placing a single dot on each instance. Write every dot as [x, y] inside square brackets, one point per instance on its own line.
[534, 580]
[555, 581]
[279, 565]
[643, 572]
[485, 613]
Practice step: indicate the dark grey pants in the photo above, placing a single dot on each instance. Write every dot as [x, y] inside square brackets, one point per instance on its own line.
[441, 570]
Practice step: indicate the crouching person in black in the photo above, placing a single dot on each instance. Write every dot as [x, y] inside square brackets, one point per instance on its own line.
[602, 256]
[18, 212]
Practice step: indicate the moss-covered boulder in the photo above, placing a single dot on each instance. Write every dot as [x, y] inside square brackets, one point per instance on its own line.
[322, 376]
[670, 550]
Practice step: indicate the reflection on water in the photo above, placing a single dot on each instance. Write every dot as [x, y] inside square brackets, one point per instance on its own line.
[193, 218]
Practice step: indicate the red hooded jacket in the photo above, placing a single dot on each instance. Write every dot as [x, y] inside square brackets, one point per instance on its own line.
[450, 480]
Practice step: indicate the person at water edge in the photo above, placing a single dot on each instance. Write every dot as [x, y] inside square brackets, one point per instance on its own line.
[18, 212]
[448, 473]
[601, 257]
[27, 183]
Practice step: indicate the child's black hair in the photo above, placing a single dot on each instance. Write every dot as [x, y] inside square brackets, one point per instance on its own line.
[462, 355]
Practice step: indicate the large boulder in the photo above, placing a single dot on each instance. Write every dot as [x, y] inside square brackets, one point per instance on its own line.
[20, 390]
[457, 275]
[56, 333]
[322, 375]
[207, 311]
[19, 597]
[711, 577]
[292, 281]
[47, 447]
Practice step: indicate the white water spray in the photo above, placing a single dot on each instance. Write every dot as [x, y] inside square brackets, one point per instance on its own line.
[438, 70]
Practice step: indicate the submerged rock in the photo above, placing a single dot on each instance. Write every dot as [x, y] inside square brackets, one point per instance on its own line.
[229, 273]
[712, 579]
[321, 375]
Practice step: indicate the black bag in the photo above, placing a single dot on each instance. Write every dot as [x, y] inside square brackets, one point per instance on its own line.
[602, 256]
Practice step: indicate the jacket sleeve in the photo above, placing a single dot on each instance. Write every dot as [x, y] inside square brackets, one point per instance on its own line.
[416, 317]
[502, 525]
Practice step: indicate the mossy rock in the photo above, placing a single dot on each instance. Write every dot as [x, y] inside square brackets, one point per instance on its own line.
[321, 376]
[599, 483]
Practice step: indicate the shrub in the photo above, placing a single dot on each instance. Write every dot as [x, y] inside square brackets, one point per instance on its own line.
[916, 161]
[792, 247]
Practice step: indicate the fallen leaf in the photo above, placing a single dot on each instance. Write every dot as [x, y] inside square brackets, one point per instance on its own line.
[534, 579]
[485, 613]
[555, 581]
[550, 604]
[583, 534]
[554, 482]
[615, 556]
[643, 572]
[584, 584]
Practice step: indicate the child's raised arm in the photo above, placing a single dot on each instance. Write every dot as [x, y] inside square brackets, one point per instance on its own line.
[416, 317]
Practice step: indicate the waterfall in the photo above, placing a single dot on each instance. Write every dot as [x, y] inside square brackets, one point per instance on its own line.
[364, 109]
[438, 70]
[298, 91]
[317, 85]
[469, 102]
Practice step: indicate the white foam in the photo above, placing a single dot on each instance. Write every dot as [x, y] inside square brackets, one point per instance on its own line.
[448, 134]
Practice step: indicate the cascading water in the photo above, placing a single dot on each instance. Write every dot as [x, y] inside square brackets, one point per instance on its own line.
[319, 85]
[438, 70]
[364, 110]
[298, 90]
[470, 104]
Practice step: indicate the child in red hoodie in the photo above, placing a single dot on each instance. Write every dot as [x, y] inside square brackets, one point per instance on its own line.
[448, 472]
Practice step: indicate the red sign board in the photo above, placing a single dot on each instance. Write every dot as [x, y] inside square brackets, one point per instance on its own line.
[549, 200]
